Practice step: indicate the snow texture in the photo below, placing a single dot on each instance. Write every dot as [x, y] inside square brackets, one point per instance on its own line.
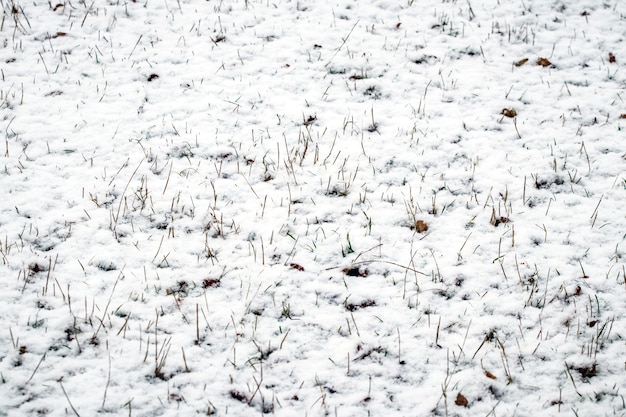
[333, 207]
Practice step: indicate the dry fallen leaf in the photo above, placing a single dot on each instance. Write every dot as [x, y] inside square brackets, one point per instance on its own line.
[612, 59]
[210, 283]
[296, 266]
[355, 271]
[520, 62]
[622, 116]
[421, 226]
[544, 62]
[490, 375]
[509, 112]
[461, 401]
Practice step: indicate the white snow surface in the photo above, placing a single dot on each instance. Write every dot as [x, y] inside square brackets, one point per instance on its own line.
[211, 207]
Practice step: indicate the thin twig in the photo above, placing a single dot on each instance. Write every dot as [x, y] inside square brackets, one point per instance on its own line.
[106, 388]
[136, 43]
[342, 44]
[119, 206]
[36, 367]
[68, 398]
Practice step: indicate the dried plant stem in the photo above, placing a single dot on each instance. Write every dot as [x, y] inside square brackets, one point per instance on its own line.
[68, 398]
[36, 367]
[106, 388]
[342, 44]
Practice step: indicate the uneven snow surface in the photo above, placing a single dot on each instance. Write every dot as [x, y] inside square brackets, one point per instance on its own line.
[309, 208]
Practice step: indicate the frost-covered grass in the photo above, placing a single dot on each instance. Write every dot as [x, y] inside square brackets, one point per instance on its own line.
[345, 208]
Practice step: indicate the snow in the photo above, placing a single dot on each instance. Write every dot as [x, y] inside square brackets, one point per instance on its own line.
[211, 208]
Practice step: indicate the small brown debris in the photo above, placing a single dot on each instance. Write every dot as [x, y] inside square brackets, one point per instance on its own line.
[585, 13]
[622, 116]
[239, 396]
[152, 77]
[461, 401]
[612, 59]
[490, 375]
[587, 372]
[500, 220]
[58, 6]
[317, 46]
[520, 62]
[496, 221]
[509, 112]
[421, 226]
[310, 120]
[355, 271]
[296, 266]
[398, 25]
[35, 268]
[544, 62]
[362, 304]
[210, 283]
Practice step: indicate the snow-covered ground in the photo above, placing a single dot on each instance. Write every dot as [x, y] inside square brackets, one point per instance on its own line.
[306, 208]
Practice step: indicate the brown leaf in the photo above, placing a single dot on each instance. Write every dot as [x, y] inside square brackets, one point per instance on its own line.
[520, 62]
[490, 375]
[612, 59]
[622, 116]
[238, 396]
[509, 112]
[544, 62]
[421, 226]
[355, 271]
[210, 283]
[296, 266]
[461, 401]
